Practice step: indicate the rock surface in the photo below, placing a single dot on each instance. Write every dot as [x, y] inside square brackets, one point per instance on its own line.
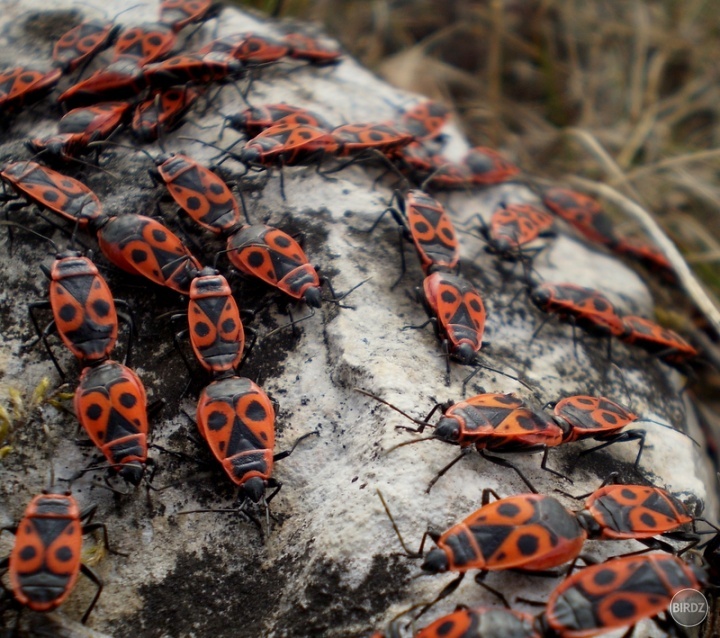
[331, 565]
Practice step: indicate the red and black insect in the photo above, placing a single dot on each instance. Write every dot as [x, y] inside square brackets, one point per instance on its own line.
[215, 328]
[121, 80]
[487, 166]
[178, 14]
[143, 246]
[528, 532]
[664, 343]
[649, 256]
[616, 512]
[80, 127]
[496, 422]
[53, 191]
[583, 213]
[424, 120]
[83, 308]
[514, 226]
[584, 307]
[145, 43]
[22, 86]
[480, 622]
[273, 256]
[584, 417]
[480, 167]
[192, 68]
[45, 561]
[587, 417]
[303, 47]
[83, 42]
[425, 222]
[237, 419]
[254, 49]
[256, 119]
[287, 144]
[617, 593]
[200, 192]
[111, 406]
[457, 312]
[162, 112]
[353, 139]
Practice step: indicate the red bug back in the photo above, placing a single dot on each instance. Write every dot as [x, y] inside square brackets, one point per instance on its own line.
[200, 193]
[276, 258]
[653, 338]
[191, 68]
[617, 593]
[83, 308]
[145, 43]
[589, 308]
[514, 225]
[632, 511]
[583, 213]
[496, 421]
[111, 405]
[486, 166]
[648, 255]
[382, 137]
[432, 232]
[528, 531]
[587, 417]
[424, 120]
[54, 191]
[287, 143]
[94, 122]
[21, 86]
[481, 622]
[256, 49]
[83, 42]
[45, 560]
[460, 313]
[237, 420]
[256, 119]
[473, 419]
[120, 80]
[303, 47]
[216, 331]
[143, 246]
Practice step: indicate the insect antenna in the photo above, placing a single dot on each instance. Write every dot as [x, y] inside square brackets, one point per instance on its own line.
[337, 298]
[417, 554]
[7, 222]
[226, 152]
[482, 366]
[410, 442]
[423, 424]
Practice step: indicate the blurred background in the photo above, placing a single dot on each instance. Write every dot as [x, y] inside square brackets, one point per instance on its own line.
[624, 93]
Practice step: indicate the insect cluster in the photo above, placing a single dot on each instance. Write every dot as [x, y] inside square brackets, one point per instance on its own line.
[154, 77]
